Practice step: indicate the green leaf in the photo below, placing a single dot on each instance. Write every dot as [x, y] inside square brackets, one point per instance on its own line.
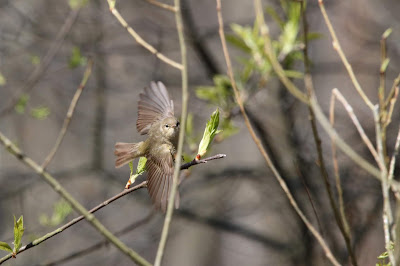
[209, 133]
[76, 59]
[21, 104]
[61, 209]
[35, 60]
[140, 169]
[387, 33]
[2, 80]
[238, 43]
[18, 232]
[40, 112]
[5, 246]
[75, 4]
[274, 15]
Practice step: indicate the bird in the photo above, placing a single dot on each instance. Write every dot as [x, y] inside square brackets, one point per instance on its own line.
[157, 120]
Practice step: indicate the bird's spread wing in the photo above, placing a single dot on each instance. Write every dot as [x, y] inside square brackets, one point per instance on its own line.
[160, 174]
[154, 105]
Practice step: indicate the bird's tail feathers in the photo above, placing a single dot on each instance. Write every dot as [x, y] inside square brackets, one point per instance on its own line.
[126, 152]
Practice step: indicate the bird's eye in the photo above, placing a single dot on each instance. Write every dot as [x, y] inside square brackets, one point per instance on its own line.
[177, 124]
[166, 125]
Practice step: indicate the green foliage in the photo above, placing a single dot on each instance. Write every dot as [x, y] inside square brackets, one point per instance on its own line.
[40, 112]
[384, 257]
[220, 94]
[6, 247]
[76, 59]
[21, 104]
[18, 233]
[75, 4]
[2, 80]
[61, 210]
[209, 133]
[35, 60]
[140, 169]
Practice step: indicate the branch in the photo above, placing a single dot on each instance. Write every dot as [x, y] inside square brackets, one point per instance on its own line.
[205, 160]
[139, 39]
[338, 48]
[339, 215]
[185, 97]
[282, 183]
[69, 115]
[71, 200]
[162, 5]
[44, 64]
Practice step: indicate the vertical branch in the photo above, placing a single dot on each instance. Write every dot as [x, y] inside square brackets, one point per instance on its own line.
[178, 158]
[281, 181]
[339, 216]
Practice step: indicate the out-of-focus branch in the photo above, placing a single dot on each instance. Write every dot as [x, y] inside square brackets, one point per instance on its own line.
[69, 115]
[162, 5]
[71, 200]
[339, 216]
[44, 64]
[255, 138]
[185, 98]
[139, 39]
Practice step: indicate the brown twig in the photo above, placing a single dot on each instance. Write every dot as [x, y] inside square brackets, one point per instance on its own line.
[34, 77]
[139, 39]
[339, 215]
[56, 186]
[69, 115]
[256, 139]
[205, 160]
[162, 5]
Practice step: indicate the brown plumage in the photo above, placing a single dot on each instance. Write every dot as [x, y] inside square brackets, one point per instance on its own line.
[155, 119]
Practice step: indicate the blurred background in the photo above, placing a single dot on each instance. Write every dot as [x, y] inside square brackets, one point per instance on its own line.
[233, 211]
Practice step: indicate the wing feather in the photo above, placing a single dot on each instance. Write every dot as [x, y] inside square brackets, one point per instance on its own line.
[154, 105]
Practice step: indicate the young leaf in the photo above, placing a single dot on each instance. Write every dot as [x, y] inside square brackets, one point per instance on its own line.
[141, 168]
[2, 80]
[76, 58]
[40, 112]
[18, 232]
[21, 104]
[209, 134]
[5, 246]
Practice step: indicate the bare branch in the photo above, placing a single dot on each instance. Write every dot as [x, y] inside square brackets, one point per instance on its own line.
[69, 115]
[71, 200]
[162, 5]
[139, 39]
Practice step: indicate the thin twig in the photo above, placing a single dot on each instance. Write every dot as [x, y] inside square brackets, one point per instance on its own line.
[339, 216]
[139, 39]
[336, 94]
[387, 215]
[338, 48]
[281, 181]
[392, 91]
[162, 5]
[393, 160]
[205, 160]
[34, 77]
[185, 97]
[71, 200]
[69, 115]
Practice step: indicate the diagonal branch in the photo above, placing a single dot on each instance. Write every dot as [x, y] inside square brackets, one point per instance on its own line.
[139, 39]
[39, 70]
[69, 115]
[71, 200]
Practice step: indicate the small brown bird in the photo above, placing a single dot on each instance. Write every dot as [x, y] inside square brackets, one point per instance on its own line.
[155, 119]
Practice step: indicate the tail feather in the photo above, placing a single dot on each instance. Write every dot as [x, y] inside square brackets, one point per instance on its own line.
[126, 152]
